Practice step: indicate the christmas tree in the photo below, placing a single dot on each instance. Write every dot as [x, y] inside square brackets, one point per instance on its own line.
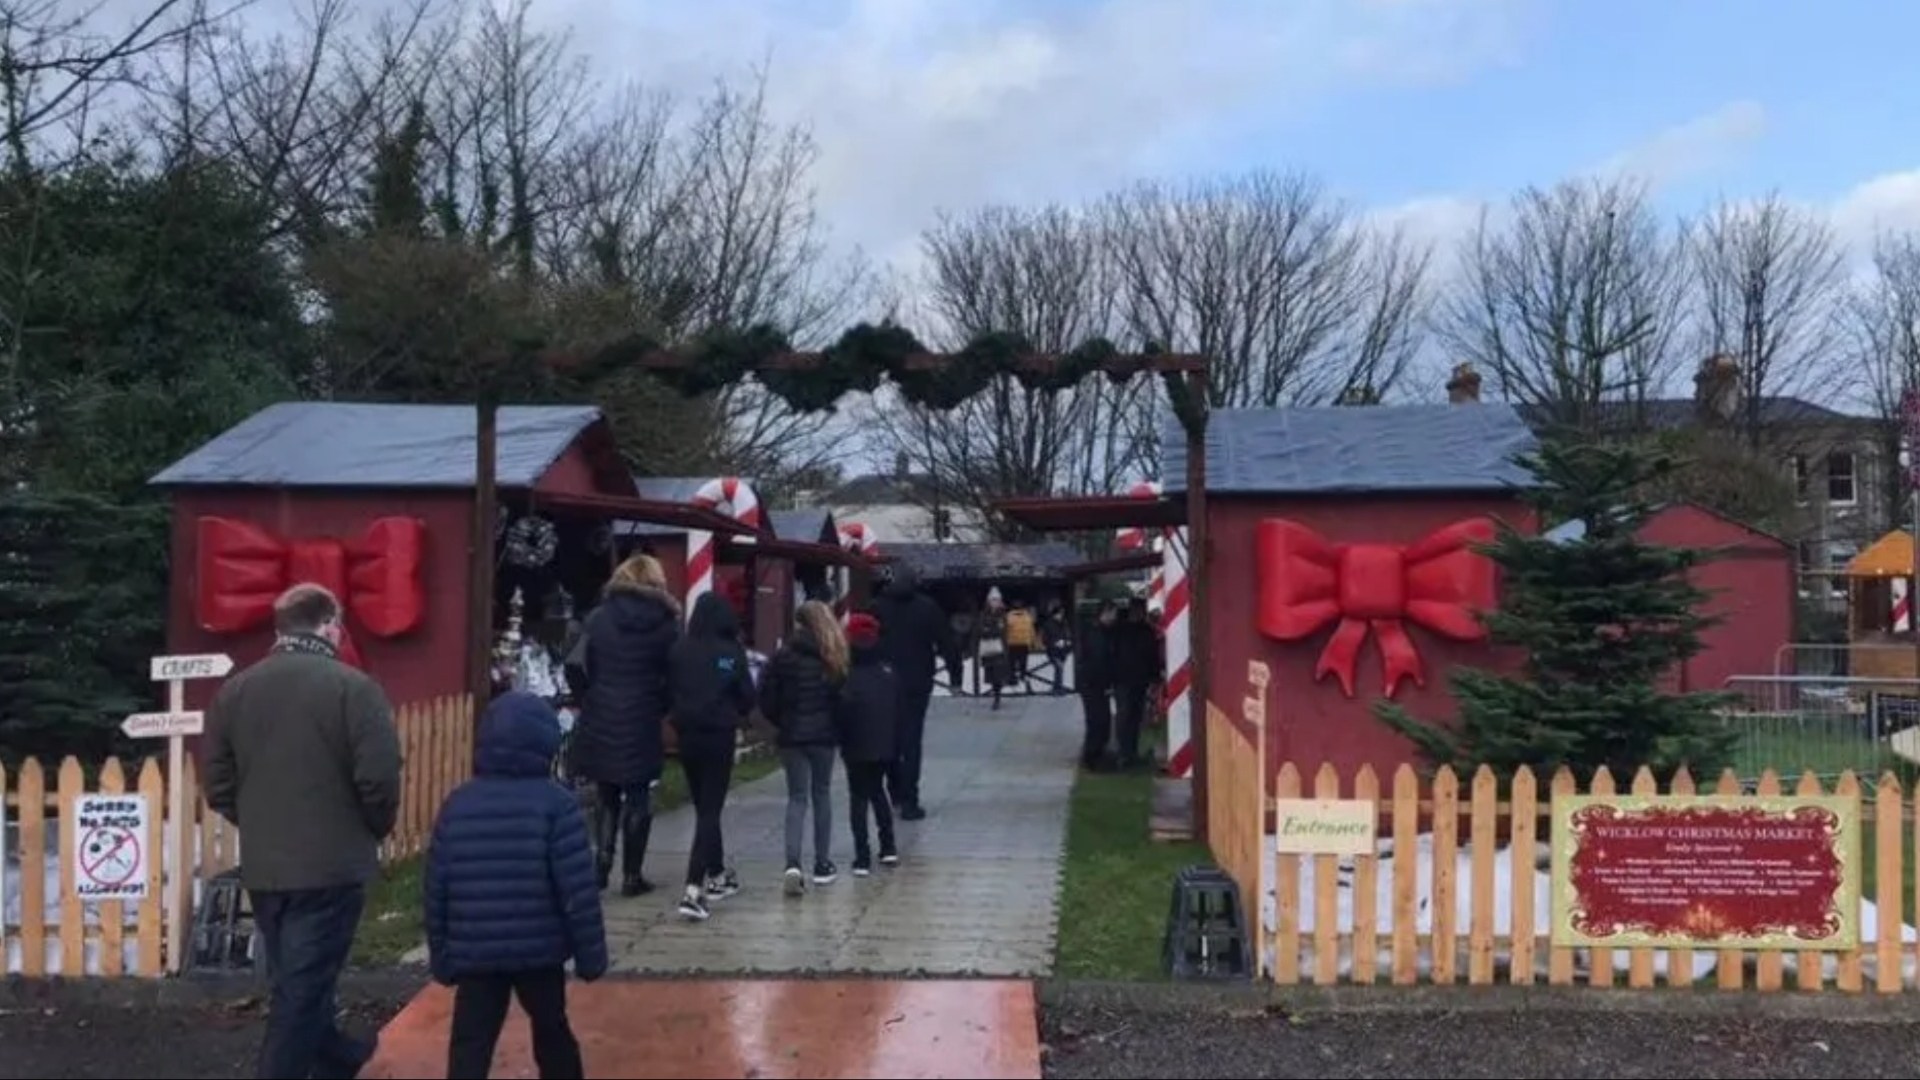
[1603, 616]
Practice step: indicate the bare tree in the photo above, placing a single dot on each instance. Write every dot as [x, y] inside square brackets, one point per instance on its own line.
[1770, 280]
[57, 58]
[1044, 275]
[1883, 320]
[1272, 280]
[1570, 303]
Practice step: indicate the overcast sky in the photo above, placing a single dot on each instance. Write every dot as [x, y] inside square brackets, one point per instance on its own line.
[1415, 109]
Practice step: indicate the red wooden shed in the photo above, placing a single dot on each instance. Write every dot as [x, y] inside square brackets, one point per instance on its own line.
[376, 501]
[1750, 583]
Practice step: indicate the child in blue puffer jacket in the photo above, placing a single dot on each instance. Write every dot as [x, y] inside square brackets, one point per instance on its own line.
[511, 894]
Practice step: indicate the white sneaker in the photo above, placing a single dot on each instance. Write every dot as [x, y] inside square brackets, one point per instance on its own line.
[692, 906]
[794, 883]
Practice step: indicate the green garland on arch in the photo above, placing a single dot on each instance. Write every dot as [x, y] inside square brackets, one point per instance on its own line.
[859, 361]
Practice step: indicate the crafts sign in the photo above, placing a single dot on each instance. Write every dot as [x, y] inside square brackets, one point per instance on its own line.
[1713, 872]
[110, 860]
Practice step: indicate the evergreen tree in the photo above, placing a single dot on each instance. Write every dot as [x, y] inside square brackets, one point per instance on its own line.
[1603, 617]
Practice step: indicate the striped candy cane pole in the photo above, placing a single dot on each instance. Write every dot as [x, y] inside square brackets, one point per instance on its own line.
[855, 537]
[1176, 601]
[730, 496]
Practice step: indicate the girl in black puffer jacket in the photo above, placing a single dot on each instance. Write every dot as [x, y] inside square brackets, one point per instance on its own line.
[619, 672]
[799, 695]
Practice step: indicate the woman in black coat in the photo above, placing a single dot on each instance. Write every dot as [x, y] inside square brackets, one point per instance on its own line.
[619, 672]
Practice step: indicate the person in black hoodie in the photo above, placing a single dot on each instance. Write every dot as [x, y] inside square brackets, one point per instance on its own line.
[914, 636]
[618, 670]
[869, 713]
[712, 693]
[798, 695]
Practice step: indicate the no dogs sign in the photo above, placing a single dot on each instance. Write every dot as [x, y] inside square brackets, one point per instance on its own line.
[110, 861]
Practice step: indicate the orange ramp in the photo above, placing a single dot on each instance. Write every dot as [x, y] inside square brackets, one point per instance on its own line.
[769, 1029]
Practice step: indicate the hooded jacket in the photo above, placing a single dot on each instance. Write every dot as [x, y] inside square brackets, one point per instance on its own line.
[623, 686]
[510, 883]
[868, 708]
[917, 634]
[798, 695]
[710, 681]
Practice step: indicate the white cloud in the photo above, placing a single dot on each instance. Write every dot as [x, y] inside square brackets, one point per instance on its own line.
[1699, 146]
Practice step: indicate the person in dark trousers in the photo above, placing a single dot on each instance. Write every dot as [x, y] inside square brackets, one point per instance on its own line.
[1135, 653]
[618, 671]
[869, 715]
[712, 692]
[511, 894]
[799, 694]
[1093, 677]
[303, 756]
[914, 637]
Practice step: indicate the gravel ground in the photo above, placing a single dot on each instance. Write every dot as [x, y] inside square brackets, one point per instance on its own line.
[128, 1029]
[97, 1030]
[1101, 1041]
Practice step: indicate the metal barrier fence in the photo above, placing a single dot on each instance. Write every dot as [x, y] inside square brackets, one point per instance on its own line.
[1826, 725]
[1836, 659]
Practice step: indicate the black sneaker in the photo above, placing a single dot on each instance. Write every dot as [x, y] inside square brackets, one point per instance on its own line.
[635, 886]
[721, 886]
[793, 883]
[825, 873]
[889, 858]
[861, 868]
[692, 906]
[913, 813]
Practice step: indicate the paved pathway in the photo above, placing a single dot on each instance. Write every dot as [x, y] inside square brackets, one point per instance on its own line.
[975, 893]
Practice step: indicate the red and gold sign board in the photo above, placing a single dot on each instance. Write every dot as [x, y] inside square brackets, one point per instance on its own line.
[1706, 872]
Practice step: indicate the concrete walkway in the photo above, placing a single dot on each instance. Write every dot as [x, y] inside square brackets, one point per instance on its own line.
[975, 893]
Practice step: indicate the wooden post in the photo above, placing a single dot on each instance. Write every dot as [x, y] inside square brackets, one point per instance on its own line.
[480, 578]
[180, 825]
[1199, 590]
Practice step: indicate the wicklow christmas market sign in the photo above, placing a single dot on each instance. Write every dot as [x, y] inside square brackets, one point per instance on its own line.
[1707, 872]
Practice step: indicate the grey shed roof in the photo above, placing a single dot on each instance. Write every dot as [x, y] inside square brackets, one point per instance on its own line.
[1337, 449]
[356, 444]
[805, 525]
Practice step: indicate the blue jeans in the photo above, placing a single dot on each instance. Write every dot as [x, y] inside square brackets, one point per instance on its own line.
[306, 936]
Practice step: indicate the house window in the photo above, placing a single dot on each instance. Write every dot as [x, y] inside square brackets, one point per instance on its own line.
[1840, 478]
[1797, 471]
[1838, 556]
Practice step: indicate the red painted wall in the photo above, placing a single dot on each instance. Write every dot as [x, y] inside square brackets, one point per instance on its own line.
[1316, 722]
[1753, 589]
[426, 663]
[430, 661]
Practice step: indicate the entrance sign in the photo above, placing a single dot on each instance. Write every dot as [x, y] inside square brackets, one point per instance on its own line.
[203, 666]
[161, 725]
[1707, 872]
[1325, 826]
[175, 671]
[110, 862]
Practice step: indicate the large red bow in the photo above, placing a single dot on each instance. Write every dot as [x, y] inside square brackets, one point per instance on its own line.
[1438, 582]
[243, 568]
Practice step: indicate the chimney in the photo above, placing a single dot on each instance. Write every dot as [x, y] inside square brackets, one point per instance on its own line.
[1716, 388]
[1464, 387]
[902, 464]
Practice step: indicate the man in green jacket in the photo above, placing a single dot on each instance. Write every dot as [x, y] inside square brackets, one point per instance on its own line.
[304, 759]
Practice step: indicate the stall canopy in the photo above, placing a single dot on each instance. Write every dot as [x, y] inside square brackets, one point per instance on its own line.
[1889, 556]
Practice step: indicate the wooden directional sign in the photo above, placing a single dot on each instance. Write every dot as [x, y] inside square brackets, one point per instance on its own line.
[163, 725]
[204, 666]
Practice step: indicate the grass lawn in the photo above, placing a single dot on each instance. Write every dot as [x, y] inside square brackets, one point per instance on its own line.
[391, 926]
[1117, 881]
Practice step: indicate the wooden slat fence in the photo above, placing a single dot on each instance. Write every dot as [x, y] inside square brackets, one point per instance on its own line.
[48, 930]
[1236, 828]
[1336, 920]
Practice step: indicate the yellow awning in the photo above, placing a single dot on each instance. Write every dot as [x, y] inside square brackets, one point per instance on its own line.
[1888, 556]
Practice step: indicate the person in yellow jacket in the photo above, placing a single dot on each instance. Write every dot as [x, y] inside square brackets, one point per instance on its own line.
[1021, 639]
